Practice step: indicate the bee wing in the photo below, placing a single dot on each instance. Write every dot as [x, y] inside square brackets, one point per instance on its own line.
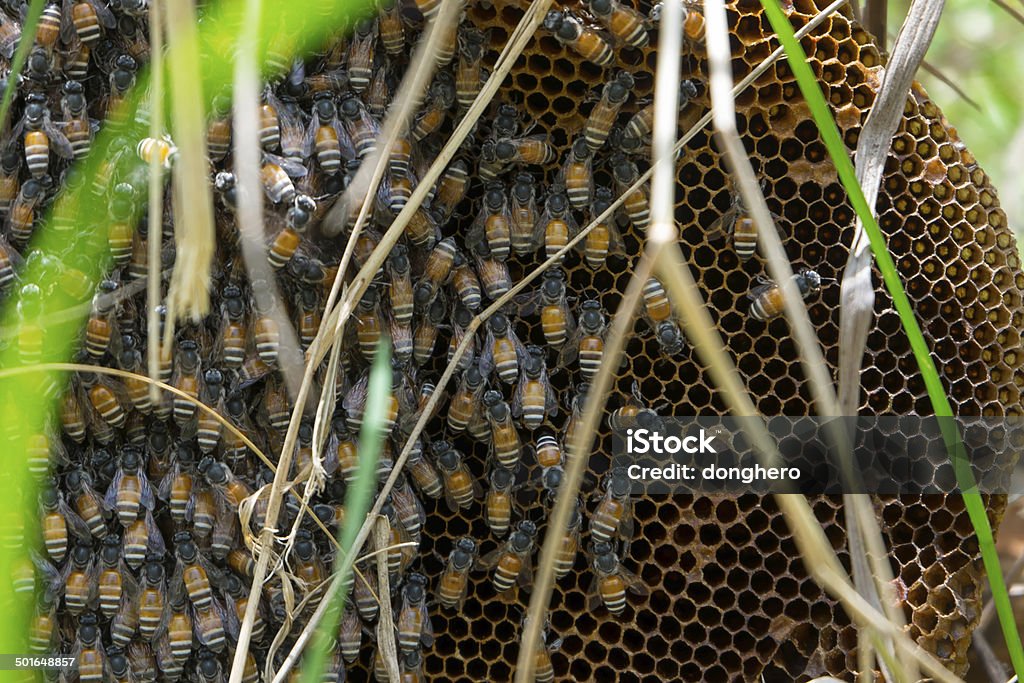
[104, 14]
[427, 634]
[155, 540]
[76, 525]
[757, 290]
[490, 560]
[309, 139]
[626, 523]
[59, 142]
[110, 499]
[146, 497]
[67, 26]
[723, 225]
[634, 584]
[517, 395]
[570, 349]
[293, 167]
[525, 577]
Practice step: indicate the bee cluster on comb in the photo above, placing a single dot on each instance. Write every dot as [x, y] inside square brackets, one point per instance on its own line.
[143, 569]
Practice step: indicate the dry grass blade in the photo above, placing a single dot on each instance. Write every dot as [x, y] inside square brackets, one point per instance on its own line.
[863, 532]
[386, 620]
[857, 292]
[156, 196]
[195, 242]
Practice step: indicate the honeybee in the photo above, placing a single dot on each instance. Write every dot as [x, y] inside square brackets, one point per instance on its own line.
[425, 335]
[604, 238]
[308, 313]
[129, 492]
[493, 273]
[534, 398]
[766, 297]
[218, 129]
[428, 8]
[523, 212]
[588, 343]
[460, 488]
[414, 628]
[613, 516]
[85, 17]
[350, 633]
[100, 328]
[624, 23]
[451, 188]
[493, 223]
[22, 216]
[43, 625]
[307, 566]
[208, 430]
[657, 306]
[424, 475]
[506, 447]
[466, 400]
[462, 317]
[176, 486]
[192, 570]
[360, 55]
[186, 379]
[543, 669]
[325, 136]
[152, 602]
[577, 174]
[512, 561]
[89, 653]
[208, 668]
[555, 317]
[466, 284]
[738, 224]
[276, 174]
[233, 329]
[142, 537]
[10, 163]
[57, 520]
[569, 31]
[612, 580]
[369, 323]
[361, 128]
[392, 29]
[86, 501]
[237, 598]
[498, 503]
[435, 273]
[468, 72]
[454, 582]
[364, 593]
[670, 337]
[636, 202]
[532, 150]
[557, 222]
[440, 98]
[503, 351]
[79, 580]
[77, 126]
[378, 95]
[566, 556]
[602, 116]
[638, 128]
[162, 150]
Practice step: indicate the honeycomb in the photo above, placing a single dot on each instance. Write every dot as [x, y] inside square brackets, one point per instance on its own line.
[728, 595]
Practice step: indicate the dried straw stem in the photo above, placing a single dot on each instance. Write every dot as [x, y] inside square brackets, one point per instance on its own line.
[156, 195]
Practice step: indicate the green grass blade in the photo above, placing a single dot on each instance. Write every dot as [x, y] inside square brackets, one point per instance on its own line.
[357, 502]
[28, 35]
[940, 404]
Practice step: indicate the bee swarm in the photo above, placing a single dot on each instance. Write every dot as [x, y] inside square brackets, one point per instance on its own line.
[726, 595]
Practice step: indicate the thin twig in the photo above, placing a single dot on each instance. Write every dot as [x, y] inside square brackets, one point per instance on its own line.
[993, 667]
[1013, 12]
[156, 197]
[989, 611]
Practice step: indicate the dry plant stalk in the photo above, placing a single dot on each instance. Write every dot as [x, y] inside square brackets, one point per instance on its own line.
[156, 195]
[195, 242]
